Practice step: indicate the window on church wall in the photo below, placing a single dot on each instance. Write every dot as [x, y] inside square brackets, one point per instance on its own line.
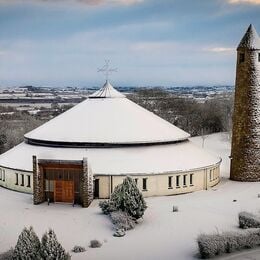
[259, 57]
[191, 179]
[28, 181]
[0, 174]
[241, 57]
[184, 180]
[169, 182]
[3, 177]
[210, 175]
[144, 184]
[178, 181]
[22, 179]
[16, 179]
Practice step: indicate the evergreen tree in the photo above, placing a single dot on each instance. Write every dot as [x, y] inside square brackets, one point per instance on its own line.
[28, 246]
[51, 249]
[128, 198]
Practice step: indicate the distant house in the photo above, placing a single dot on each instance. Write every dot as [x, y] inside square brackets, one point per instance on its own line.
[88, 150]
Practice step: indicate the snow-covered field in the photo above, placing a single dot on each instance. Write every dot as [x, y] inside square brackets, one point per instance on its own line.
[161, 235]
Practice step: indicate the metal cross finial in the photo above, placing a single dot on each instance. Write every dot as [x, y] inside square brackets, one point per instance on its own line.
[107, 70]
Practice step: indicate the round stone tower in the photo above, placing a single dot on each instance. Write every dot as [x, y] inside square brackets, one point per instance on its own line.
[245, 153]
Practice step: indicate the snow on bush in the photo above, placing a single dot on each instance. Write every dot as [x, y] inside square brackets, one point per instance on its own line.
[127, 197]
[28, 246]
[8, 255]
[95, 244]
[107, 207]
[122, 220]
[218, 244]
[51, 249]
[248, 220]
[78, 249]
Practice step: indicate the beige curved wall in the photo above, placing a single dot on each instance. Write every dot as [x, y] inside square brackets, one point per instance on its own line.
[17, 180]
[157, 184]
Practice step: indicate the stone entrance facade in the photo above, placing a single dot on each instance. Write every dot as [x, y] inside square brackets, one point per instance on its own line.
[74, 178]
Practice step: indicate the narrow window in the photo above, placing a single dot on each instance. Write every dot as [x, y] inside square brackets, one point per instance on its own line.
[210, 175]
[184, 180]
[136, 181]
[144, 183]
[3, 175]
[178, 181]
[170, 182]
[0, 174]
[22, 182]
[16, 176]
[28, 181]
[258, 57]
[241, 57]
[191, 179]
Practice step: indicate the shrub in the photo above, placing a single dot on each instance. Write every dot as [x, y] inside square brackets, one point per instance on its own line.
[248, 220]
[127, 197]
[107, 207]
[95, 243]
[175, 209]
[218, 244]
[51, 249]
[8, 255]
[122, 220]
[28, 246]
[78, 249]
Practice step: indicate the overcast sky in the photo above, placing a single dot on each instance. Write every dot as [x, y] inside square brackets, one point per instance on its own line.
[151, 42]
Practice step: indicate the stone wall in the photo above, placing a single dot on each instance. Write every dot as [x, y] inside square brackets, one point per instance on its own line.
[87, 193]
[245, 155]
[38, 183]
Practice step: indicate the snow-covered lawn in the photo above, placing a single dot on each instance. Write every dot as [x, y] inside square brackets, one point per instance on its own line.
[161, 235]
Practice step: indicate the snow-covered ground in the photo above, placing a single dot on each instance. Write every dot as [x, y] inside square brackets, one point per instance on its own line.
[161, 235]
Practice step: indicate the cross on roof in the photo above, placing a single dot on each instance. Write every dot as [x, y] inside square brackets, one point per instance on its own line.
[107, 70]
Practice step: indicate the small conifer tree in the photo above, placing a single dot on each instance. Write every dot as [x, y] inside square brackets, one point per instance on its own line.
[28, 246]
[51, 249]
[127, 197]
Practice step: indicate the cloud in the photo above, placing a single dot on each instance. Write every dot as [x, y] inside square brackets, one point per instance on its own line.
[87, 2]
[253, 2]
[220, 49]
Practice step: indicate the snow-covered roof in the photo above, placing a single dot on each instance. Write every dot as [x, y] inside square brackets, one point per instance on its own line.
[182, 156]
[250, 40]
[112, 119]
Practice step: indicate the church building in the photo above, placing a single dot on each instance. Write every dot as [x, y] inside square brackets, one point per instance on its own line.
[88, 150]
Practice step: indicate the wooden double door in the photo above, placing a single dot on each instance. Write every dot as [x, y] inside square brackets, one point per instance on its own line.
[63, 191]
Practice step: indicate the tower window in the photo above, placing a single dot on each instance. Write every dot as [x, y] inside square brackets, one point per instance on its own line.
[241, 57]
[3, 176]
[258, 57]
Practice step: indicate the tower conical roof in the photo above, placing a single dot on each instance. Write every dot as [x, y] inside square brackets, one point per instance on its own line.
[250, 40]
[106, 117]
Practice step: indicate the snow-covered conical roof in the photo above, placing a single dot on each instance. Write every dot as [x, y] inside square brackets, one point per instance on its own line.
[250, 40]
[107, 91]
[106, 118]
